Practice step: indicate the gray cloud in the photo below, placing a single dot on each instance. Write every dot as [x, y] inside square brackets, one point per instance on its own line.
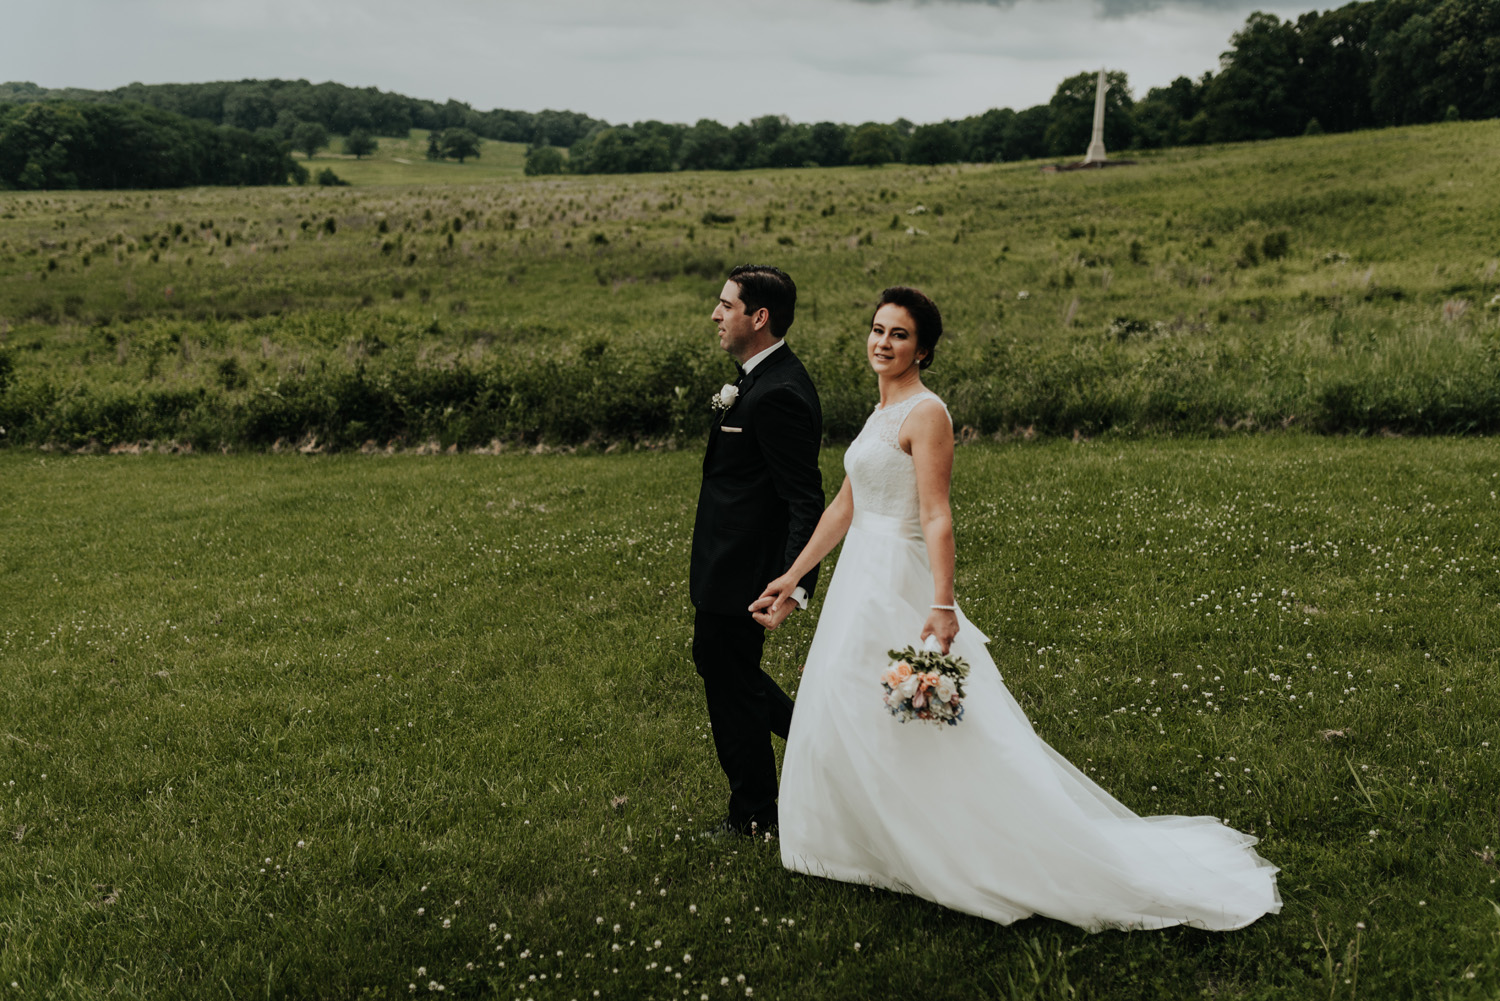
[674, 60]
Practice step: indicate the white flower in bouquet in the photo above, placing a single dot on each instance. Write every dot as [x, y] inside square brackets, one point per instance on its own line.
[945, 689]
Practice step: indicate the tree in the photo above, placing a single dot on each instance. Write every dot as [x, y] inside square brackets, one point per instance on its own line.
[873, 144]
[460, 144]
[63, 144]
[983, 136]
[938, 143]
[249, 106]
[1338, 64]
[622, 150]
[1262, 84]
[1072, 106]
[1468, 34]
[309, 137]
[543, 160]
[828, 144]
[434, 145]
[1026, 134]
[360, 143]
[763, 134]
[286, 123]
[792, 148]
[707, 146]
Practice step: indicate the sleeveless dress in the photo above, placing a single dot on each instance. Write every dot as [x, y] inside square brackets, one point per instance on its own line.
[983, 817]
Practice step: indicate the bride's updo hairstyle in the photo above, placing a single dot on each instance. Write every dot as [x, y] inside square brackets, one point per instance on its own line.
[924, 311]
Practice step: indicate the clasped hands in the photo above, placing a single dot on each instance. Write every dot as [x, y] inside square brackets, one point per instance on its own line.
[775, 602]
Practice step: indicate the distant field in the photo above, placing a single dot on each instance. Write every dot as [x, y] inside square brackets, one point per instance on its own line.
[1343, 283]
[287, 726]
[404, 161]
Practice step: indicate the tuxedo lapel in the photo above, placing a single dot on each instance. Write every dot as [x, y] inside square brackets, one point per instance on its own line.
[744, 383]
[767, 364]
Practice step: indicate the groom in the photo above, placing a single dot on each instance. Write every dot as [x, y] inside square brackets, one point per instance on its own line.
[762, 495]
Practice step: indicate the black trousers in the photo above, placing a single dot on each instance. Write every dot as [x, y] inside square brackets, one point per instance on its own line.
[745, 706]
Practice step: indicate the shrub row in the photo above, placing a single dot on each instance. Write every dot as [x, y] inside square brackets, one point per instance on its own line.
[598, 393]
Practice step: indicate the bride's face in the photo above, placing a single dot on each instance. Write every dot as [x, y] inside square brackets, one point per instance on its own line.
[892, 346]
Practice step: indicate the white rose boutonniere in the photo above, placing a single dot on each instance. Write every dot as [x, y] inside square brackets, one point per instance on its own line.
[724, 398]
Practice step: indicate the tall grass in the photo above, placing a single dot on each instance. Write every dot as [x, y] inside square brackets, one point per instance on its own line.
[1339, 283]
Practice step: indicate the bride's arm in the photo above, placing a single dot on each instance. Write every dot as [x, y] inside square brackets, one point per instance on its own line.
[831, 528]
[928, 435]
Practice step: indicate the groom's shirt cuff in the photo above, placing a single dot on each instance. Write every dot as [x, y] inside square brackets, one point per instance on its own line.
[799, 595]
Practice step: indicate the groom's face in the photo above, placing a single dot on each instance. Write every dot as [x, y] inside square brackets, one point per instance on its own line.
[737, 332]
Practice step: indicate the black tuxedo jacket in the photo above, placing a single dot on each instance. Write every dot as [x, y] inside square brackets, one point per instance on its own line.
[762, 492]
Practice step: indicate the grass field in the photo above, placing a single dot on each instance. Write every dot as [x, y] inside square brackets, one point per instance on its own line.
[1343, 283]
[404, 162]
[384, 726]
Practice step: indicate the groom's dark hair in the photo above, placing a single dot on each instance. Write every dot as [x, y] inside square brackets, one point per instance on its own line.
[772, 289]
[923, 310]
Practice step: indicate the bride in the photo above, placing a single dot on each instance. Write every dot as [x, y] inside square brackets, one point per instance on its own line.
[982, 817]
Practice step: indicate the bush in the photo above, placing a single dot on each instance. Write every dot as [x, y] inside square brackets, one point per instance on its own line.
[543, 160]
[329, 179]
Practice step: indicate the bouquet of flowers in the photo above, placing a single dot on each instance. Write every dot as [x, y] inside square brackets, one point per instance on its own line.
[926, 685]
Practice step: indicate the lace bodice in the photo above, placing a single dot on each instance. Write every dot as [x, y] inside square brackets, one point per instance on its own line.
[882, 475]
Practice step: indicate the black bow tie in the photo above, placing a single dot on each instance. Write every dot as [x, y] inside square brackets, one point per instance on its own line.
[739, 373]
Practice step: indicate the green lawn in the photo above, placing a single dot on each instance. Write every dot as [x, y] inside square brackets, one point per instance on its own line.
[314, 726]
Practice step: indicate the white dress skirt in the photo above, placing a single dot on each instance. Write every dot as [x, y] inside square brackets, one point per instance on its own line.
[982, 817]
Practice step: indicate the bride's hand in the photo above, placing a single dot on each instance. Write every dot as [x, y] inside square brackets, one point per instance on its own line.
[775, 602]
[943, 625]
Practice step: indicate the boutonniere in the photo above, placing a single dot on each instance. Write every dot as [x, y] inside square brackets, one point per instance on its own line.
[724, 398]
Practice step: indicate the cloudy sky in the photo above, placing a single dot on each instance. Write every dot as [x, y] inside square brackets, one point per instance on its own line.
[627, 60]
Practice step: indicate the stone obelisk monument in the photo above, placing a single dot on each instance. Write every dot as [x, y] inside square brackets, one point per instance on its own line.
[1096, 143]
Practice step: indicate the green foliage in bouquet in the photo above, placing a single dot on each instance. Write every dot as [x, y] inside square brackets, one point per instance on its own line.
[931, 661]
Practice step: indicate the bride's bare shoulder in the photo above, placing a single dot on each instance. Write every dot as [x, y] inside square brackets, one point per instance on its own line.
[928, 423]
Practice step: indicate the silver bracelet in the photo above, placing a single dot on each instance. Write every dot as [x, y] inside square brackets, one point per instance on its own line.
[946, 608]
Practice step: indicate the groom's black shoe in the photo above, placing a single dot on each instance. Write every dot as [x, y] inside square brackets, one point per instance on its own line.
[727, 829]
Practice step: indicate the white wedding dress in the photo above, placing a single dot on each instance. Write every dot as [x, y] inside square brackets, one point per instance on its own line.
[982, 817]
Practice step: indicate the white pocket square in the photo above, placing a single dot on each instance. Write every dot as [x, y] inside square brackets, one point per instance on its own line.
[730, 428]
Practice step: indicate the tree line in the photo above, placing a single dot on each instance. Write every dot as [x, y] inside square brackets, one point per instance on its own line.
[1364, 65]
[63, 144]
[283, 105]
